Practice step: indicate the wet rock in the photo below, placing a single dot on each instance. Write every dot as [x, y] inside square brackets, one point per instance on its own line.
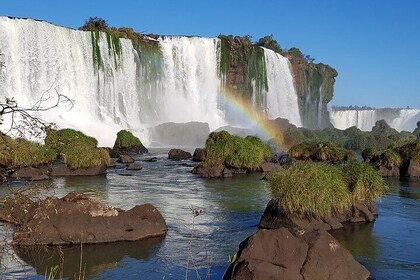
[125, 159]
[198, 155]
[128, 144]
[178, 154]
[270, 167]
[62, 170]
[47, 222]
[227, 173]
[152, 159]
[32, 173]
[294, 254]
[394, 171]
[274, 217]
[134, 166]
[283, 159]
[413, 169]
[215, 171]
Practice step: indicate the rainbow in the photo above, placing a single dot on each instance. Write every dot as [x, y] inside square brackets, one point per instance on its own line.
[257, 119]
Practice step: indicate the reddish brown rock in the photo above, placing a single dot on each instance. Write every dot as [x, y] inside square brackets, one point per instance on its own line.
[294, 254]
[215, 171]
[178, 154]
[198, 155]
[32, 173]
[47, 222]
[413, 169]
[63, 170]
[134, 166]
[125, 159]
[271, 167]
[394, 171]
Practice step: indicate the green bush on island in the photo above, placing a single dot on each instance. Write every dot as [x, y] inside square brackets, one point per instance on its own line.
[410, 151]
[319, 189]
[321, 151]
[126, 140]
[76, 149]
[236, 152]
[18, 153]
[363, 181]
[309, 189]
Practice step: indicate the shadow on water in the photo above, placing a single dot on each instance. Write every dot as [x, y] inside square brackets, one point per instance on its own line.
[95, 258]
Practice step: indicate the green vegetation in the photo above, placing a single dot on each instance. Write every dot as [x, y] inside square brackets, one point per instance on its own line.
[76, 149]
[23, 153]
[321, 151]
[236, 152]
[126, 140]
[318, 189]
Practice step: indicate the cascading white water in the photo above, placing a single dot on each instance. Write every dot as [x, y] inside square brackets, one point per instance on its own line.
[116, 85]
[400, 119]
[281, 95]
[362, 119]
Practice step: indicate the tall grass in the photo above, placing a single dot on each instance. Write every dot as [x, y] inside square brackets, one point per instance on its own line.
[317, 189]
[126, 139]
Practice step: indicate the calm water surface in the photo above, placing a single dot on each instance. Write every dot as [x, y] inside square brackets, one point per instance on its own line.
[232, 208]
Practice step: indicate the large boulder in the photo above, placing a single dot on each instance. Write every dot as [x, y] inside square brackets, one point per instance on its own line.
[32, 173]
[125, 159]
[294, 254]
[47, 222]
[199, 155]
[275, 217]
[59, 170]
[178, 154]
[128, 144]
[413, 169]
[180, 134]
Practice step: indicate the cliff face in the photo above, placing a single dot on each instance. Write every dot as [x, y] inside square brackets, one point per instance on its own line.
[314, 85]
[242, 62]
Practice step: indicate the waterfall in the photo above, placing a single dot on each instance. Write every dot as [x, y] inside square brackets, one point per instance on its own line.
[400, 119]
[116, 84]
[281, 97]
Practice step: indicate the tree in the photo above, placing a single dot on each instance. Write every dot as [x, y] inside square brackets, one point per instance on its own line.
[270, 43]
[95, 24]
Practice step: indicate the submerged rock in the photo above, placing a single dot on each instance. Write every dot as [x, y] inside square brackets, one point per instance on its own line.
[178, 154]
[46, 222]
[134, 166]
[294, 254]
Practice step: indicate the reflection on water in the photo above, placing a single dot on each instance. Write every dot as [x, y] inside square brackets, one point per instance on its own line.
[389, 248]
[95, 258]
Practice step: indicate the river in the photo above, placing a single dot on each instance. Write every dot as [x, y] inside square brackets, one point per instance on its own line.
[231, 210]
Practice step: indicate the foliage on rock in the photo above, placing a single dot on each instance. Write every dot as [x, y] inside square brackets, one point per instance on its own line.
[235, 152]
[321, 151]
[319, 189]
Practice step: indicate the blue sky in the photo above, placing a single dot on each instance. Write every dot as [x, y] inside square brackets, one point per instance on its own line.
[373, 44]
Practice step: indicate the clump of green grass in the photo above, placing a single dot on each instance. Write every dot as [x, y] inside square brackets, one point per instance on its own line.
[17, 153]
[370, 154]
[76, 149]
[310, 189]
[390, 158]
[236, 152]
[125, 140]
[319, 189]
[364, 182]
[321, 151]
[410, 151]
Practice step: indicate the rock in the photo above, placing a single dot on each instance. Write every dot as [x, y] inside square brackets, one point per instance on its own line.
[227, 173]
[128, 144]
[47, 222]
[152, 159]
[32, 173]
[198, 155]
[394, 171]
[270, 167]
[283, 159]
[294, 254]
[125, 159]
[112, 153]
[134, 166]
[188, 134]
[62, 170]
[215, 171]
[413, 169]
[274, 217]
[178, 154]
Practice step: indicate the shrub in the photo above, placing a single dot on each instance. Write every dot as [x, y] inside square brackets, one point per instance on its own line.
[126, 139]
[22, 153]
[365, 183]
[76, 149]
[370, 154]
[95, 24]
[233, 151]
[321, 151]
[390, 158]
[310, 189]
[316, 189]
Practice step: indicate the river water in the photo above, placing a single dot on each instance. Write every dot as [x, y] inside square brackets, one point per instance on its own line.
[231, 210]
